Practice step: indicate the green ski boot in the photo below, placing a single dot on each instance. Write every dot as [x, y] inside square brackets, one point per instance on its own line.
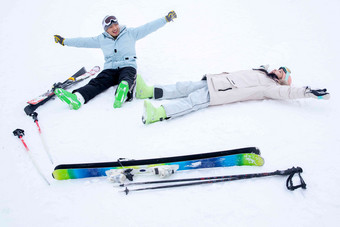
[152, 114]
[68, 97]
[121, 94]
[143, 91]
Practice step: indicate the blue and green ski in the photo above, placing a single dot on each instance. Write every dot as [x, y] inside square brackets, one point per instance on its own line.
[248, 156]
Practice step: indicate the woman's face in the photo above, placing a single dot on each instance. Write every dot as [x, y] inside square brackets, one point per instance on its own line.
[279, 73]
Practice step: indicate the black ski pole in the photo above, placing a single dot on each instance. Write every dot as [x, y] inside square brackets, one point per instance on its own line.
[208, 180]
[175, 180]
[20, 133]
[34, 115]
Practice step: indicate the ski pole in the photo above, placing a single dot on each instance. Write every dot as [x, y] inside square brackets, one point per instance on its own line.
[20, 133]
[243, 176]
[34, 115]
[208, 180]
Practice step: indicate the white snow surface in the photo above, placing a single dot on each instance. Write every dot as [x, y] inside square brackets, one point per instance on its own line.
[207, 37]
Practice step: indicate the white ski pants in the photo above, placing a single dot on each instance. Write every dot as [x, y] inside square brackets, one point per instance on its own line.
[192, 96]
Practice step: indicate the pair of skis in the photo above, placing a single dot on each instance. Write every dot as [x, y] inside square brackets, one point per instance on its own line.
[79, 76]
[248, 156]
[183, 162]
[121, 170]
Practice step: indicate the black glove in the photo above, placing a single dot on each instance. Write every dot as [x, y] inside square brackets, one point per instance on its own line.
[171, 15]
[318, 93]
[59, 39]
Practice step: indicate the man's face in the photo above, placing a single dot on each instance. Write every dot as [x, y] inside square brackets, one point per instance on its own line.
[113, 30]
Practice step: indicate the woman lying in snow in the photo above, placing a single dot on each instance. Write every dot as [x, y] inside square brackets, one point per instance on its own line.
[218, 89]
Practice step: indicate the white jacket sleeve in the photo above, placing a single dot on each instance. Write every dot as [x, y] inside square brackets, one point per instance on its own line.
[285, 92]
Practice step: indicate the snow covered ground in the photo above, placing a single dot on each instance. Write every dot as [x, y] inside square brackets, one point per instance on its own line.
[208, 37]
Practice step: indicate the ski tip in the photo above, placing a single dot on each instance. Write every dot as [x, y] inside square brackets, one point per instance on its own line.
[126, 191]
[62, 174]
[96, 68]
[251, 159]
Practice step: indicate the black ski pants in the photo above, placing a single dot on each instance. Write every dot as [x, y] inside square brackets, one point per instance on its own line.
[106, 79]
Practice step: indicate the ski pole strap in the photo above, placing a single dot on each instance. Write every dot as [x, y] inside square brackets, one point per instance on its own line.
[291, 186]
[289, 183]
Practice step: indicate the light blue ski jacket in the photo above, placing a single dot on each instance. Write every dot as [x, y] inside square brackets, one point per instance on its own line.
[119, 52]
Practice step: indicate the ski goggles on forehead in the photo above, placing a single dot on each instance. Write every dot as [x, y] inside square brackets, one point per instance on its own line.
[287, 72]
[110, 20]
[284, 69]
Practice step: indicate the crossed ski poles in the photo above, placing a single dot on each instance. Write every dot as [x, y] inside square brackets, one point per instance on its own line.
[20, 133]
[80, 75]
[216, 179]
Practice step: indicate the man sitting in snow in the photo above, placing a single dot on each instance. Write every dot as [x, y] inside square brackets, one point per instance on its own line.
[224, 88]
[118, 45]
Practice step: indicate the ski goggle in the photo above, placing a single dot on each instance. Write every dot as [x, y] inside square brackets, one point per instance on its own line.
[110, 20]
[287, 72]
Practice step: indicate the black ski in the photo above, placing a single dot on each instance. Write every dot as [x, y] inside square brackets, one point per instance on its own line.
[244, 150]
[40, 100]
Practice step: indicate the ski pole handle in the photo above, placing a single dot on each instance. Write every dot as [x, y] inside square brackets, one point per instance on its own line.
[290, 171]
[34, 115]
[19, 132]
